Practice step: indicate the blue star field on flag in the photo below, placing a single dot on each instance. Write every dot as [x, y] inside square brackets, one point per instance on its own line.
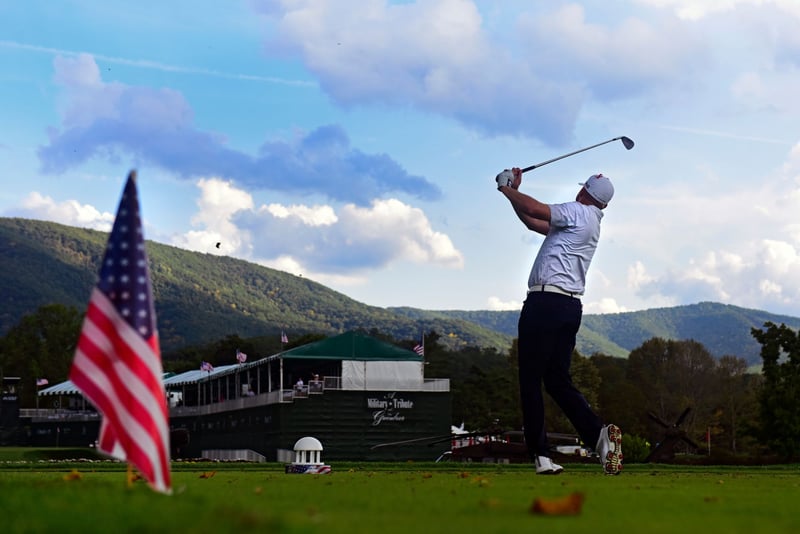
[124, 275]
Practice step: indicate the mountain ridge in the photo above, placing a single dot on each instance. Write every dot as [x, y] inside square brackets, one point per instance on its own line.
[204, 297]
[724, 329]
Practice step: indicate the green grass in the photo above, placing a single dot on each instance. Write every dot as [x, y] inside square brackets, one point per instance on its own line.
[404, 498]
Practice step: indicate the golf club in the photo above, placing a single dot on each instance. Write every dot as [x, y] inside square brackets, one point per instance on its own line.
[627, 141]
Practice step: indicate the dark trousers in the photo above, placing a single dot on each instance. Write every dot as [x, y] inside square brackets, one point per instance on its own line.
[548, 325]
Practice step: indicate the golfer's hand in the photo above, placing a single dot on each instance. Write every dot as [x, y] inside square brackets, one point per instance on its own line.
[517, 173]
[505, 178]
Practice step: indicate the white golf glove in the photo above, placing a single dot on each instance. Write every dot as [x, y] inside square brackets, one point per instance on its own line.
[504, 178]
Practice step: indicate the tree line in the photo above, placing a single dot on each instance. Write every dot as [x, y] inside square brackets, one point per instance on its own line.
[739, 411]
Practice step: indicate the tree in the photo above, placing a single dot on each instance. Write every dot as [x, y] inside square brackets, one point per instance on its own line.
[738, 400]
[674, 375]
[619, 400]
[488, 394]
[41, 345]
[780, 395]
[437, 359]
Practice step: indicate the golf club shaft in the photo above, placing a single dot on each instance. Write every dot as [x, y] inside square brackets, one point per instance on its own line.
[626, 141]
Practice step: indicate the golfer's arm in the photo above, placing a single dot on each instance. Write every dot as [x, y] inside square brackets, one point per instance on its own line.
[534, 215]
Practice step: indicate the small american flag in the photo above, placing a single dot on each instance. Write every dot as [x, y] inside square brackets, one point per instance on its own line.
[307, 469]
[117, 362]
[41, 382]
[284, 339]
[419, 349]
[241, 357]
[206, 366]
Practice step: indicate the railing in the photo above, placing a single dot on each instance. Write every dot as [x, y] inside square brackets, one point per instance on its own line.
[60, 414]
[332, 382]
[246, 455]
[436, 384]
[272, 397]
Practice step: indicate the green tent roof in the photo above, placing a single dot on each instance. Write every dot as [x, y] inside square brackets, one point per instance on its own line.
[351, 346]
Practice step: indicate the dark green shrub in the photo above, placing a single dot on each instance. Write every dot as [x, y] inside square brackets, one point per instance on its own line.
[634, 449]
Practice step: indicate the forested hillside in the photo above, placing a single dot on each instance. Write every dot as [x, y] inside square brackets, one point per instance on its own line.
[201, 298]
[723, 329]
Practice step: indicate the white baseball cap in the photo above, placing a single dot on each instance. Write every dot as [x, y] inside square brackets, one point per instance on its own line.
[599, 187]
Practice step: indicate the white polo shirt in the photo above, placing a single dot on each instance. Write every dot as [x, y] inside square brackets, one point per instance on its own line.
[568, 248]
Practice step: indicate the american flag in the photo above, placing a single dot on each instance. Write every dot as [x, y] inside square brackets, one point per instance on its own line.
[241, 357]
[419, 349]
[284, 339]
[307, 469]
[41, 382]
[206, 366]
[117, 362]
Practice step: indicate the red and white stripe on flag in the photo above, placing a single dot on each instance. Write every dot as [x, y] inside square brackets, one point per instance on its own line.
[117, 362]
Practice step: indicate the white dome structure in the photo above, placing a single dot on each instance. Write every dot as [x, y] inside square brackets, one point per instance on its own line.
[308, 450]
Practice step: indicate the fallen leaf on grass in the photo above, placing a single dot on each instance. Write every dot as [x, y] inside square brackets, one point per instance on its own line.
[209, 474]
[73, 475]
[480, 481]
[568, 505]
[491, 502]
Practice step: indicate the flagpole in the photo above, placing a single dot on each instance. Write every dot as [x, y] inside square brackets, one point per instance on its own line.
[281, 382]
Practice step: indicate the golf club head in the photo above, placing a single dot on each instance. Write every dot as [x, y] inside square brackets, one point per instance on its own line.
[627, 141]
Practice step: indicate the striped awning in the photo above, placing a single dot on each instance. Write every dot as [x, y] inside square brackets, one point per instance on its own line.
[64, 388]
[196, 375]
[68, 388]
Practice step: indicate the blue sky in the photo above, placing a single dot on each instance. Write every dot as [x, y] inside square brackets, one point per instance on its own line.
[355, 142]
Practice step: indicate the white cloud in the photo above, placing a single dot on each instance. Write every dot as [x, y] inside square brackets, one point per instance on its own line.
[435, 56]
[315, 240]
[309, 215]
[218, 201]
[780, 258]
[637, 276]
[774, 90]
[611, 61]
[404, 229]
[770, 288]
[697, 9]
[290, 265]
[69, 212]
[495, 304]
[604, 305]
[768, 279]
[81, 71]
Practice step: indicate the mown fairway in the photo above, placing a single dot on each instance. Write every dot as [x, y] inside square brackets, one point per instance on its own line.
[388, 498]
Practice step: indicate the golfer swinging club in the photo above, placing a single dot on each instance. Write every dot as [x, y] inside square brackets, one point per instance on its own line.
[551, 316]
